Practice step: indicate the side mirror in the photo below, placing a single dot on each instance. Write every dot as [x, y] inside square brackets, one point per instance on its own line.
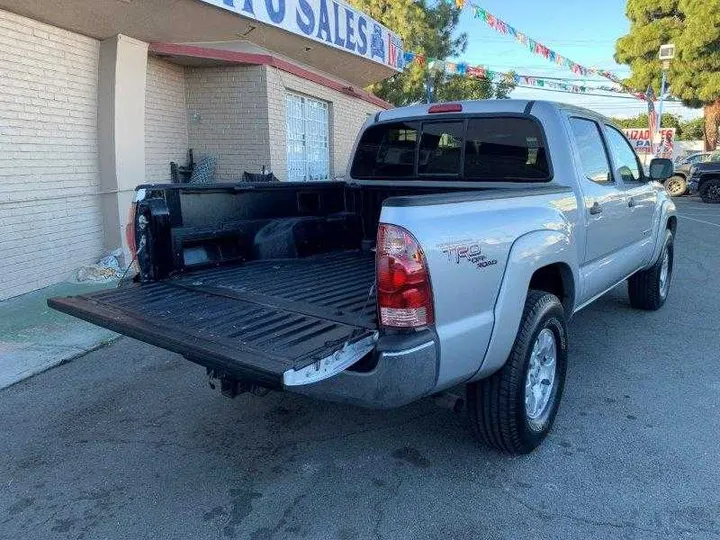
[660, 169]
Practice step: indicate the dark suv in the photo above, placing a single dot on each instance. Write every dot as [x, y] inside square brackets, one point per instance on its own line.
[677, 184]
[705, 181]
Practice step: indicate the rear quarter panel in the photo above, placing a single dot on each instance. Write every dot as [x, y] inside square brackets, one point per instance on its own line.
[467, 245]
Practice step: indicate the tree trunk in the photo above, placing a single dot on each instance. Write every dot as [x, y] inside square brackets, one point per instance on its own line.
[712, 122]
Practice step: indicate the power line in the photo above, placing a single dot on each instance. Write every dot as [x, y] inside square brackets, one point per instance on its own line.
[618, 96]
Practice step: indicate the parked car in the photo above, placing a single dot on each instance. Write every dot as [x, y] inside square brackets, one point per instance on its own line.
[705, 180]
[677, 184]
[463, 239]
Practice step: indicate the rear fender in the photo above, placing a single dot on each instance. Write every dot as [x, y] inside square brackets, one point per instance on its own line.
[530, 252]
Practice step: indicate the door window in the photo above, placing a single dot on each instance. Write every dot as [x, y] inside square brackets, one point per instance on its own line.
[626, 162]
[307, 138]
[593, 156]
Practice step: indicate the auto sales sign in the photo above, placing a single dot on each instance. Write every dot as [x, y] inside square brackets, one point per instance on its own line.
[333, 23]
[641, 140]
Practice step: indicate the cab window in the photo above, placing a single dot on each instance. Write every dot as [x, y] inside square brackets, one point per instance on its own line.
[626, 162]
[593, 156]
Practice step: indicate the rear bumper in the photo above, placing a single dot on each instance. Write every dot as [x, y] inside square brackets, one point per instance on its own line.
[406, 370]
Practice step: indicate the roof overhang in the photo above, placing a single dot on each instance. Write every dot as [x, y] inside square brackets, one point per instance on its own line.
[326, 35]
[193, 55]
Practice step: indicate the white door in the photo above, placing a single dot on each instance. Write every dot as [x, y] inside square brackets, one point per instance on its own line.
[308, 156]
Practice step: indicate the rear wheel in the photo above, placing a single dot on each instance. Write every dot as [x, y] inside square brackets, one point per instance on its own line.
[676, 186]
[710, 191]
[648, 289]
[514, 409]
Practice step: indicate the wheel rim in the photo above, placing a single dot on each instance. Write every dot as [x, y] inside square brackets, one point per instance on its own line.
[675, 187]
[665, 273]
[714, 192]
[540, 380]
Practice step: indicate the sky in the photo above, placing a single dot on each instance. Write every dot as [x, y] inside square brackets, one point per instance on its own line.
[583, 31]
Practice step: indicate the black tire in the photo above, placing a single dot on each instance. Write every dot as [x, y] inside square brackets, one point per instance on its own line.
[710, 191]
[496, 405]
[676, 186]
[645, 288]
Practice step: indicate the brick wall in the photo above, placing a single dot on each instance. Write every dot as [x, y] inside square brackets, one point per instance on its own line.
[228, 117]
[50, 218]
[347, 115]
[166, 131]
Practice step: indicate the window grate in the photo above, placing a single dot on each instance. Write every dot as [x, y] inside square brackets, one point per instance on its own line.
[307, 139]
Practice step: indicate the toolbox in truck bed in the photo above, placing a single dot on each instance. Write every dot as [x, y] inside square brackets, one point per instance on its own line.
[255, 320]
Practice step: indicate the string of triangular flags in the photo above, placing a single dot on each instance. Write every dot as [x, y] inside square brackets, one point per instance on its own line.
[482, 72]
[538, 48]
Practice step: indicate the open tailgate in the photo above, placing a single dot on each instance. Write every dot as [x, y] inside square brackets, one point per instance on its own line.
[236, 320]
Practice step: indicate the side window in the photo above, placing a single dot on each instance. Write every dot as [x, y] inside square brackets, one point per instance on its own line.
[626, 162]
[592, 150]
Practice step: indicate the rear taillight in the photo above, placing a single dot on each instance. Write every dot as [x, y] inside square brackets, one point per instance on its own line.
[403, 281]
[130, 231]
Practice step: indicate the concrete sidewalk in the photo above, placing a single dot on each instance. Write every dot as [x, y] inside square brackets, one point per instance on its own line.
[34, 337]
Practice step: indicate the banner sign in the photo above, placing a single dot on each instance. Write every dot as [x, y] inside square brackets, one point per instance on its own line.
[642, 141]
[327, 21]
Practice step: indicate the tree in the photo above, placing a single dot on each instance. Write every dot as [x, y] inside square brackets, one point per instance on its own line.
[427, 29]
[694, 75]
[693, 130]
[690, 130]
[641, 121]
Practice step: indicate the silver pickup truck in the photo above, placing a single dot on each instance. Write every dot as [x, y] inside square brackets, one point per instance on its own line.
[462, 240]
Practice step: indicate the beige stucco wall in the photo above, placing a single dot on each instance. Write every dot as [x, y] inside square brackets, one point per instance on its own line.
[50, 217]
[347, 114]
[166, 119]
[228, 117]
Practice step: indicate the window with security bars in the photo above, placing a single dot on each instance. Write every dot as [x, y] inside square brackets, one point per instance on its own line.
[307, 139]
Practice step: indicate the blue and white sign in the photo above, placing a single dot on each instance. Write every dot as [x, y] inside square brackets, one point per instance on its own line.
[327, 21]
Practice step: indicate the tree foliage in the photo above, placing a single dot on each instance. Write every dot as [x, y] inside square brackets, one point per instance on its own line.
[426, 27]
[694, 75]
[693, 130]
[690, 130]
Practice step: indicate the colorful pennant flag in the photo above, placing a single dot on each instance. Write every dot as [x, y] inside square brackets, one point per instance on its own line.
[502, 27]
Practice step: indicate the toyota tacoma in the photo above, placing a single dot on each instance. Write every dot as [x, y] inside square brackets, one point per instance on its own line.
[461, 241]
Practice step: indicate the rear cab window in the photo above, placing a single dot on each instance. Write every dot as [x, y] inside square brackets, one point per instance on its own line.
[486, 149]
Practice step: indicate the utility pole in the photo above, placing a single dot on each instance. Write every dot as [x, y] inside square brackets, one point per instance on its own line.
[428, 87]
[666, 53]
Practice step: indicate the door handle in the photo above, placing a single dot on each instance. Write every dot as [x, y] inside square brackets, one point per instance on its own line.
[596, 209]
[631, 202]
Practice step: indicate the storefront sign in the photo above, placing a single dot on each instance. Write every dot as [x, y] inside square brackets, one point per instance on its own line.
[333, 23]
[642, 140]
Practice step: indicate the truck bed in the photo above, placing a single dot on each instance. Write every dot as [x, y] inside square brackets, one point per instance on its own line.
[255, 320]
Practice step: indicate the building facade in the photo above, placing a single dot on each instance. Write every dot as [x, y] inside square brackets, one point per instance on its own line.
[91, 106]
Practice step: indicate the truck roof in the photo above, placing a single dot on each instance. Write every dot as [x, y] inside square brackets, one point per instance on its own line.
[485, 106]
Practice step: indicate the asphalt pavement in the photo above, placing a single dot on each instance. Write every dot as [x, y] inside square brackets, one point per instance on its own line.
[129, 442]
